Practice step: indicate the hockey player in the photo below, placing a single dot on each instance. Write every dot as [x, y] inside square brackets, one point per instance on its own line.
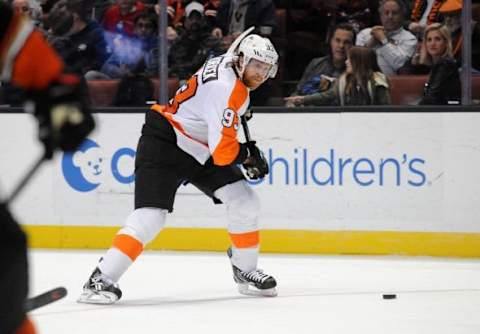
[194, 139]
[27, 61]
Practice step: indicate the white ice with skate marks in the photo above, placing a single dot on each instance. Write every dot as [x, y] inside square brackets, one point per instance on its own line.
[176, 292]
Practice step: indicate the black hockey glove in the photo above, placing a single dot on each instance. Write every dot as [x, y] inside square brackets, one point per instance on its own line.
[63, 114]
[255, 164]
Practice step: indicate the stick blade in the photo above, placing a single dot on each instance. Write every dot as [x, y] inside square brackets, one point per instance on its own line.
[45, 298]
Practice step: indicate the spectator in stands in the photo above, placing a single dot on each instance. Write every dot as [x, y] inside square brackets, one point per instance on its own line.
[392, 43]
[176, 12]
[211, 11]
[452, 12]
[308, 26]
[120, 18]
[31, 8]
[194, 45]
[362, 83]
[354, 12]
[99, 9]
[443, 85]
[78, 40]
[424, 13]
[136, 55]
[319, 74]
[234, 16]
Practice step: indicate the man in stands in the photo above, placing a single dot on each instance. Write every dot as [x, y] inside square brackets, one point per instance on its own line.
[120, 18]
[321, 72]
[393, 44]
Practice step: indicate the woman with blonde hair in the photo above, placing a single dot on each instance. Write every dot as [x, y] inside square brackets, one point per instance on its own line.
[443, 85]
[363, 83]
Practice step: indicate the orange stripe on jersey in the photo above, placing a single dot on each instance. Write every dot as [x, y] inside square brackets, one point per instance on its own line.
[37, 64]
[128, 245]
[228, 148]
[245, 240]
[169, 116]
[26, 327]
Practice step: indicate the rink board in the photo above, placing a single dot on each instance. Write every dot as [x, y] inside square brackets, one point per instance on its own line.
[356, 183]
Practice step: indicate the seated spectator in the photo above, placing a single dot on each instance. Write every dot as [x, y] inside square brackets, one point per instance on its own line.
[194, 45]
[120, 18]
[211, 11]
[31, 8]
[176, 12]
[136, 55]
[99, 9]
[392, 43]
[320, 71]
[78, 40]
[235, 16]
[443, 85]
[452, 12]
[362, 83]
[424, 13]
[309, 23]
[357, 13]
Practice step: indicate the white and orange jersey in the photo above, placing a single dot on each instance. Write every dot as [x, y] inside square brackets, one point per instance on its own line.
[205, 112]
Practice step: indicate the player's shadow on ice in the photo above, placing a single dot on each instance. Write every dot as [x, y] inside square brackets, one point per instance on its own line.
[172, 301]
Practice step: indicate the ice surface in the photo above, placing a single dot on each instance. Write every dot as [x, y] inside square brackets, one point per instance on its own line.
[177, 292]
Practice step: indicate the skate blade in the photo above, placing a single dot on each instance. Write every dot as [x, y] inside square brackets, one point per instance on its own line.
[94, 297]
[248, 290]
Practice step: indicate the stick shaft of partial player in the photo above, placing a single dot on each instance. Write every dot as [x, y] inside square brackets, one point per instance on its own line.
[45, 298]
[26, 178]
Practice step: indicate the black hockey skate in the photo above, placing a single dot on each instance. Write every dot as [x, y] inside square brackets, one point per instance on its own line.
[253, 283]
[99, 289]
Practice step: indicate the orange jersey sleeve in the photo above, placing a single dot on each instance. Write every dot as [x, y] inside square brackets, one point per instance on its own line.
[228, 148]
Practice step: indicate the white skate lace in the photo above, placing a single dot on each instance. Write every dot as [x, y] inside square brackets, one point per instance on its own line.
[101, 280]
[256, 275]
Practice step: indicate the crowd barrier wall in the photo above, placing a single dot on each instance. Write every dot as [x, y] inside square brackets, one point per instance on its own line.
[399, 182]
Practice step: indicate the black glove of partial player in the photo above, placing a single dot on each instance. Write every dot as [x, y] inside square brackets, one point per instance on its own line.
[63, 114]
[255, 164]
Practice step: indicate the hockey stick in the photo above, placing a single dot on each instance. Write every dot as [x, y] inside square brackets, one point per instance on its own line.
[45, 298]
[26, 178]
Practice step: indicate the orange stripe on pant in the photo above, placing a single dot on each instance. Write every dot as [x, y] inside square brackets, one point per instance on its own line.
[245, 240]
[128, 245]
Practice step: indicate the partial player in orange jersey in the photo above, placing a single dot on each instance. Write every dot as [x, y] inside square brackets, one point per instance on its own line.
[59, 105]
[194, 139]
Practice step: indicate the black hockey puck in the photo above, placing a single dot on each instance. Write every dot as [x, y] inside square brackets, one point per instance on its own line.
[390, 296]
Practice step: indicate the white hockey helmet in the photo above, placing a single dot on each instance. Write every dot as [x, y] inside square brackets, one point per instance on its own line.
[259, 48]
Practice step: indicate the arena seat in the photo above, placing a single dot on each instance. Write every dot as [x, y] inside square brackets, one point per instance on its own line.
[281, 15]
[173, 84]
[408, 89]
[102, 92]
[476, 12]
